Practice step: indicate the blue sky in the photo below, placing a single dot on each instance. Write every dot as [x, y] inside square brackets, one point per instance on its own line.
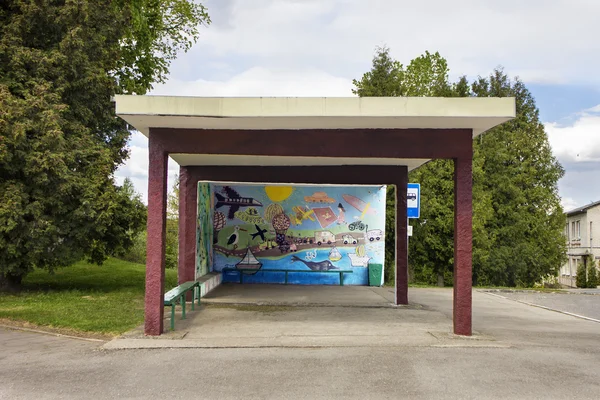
[316, 48]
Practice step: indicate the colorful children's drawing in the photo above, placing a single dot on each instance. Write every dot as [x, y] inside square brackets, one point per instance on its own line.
[325, 216]
[301, 214]
[359, 258]
[316, 265]
[341, 219]
[204, 255]
[276, 234]
[319, 197]
[234, 201]
[249, 215]
[364, 208]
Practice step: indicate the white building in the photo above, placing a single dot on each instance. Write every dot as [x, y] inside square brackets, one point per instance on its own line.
[583, 237]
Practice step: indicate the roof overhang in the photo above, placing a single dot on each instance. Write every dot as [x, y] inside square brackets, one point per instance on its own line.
[297, 113]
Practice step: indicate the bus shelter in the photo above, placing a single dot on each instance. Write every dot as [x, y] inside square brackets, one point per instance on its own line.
[311, 141]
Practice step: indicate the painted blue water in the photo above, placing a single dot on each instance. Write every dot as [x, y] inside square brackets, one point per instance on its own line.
[359, 275]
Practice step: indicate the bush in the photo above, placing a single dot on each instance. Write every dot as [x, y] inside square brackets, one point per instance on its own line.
[592, 278]
[137, 252]
[581, 280]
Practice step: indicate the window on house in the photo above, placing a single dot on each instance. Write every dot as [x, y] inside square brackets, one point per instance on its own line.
[573, 230]
[577, 230]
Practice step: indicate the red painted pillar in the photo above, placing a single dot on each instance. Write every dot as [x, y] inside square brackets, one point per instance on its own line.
[155, 250]
[188, 193]
[401, 238]
[463, 244]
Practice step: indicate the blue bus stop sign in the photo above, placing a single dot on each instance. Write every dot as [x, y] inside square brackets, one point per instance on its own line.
[413, 200]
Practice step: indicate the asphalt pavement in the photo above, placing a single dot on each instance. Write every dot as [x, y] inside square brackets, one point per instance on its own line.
[527, 353]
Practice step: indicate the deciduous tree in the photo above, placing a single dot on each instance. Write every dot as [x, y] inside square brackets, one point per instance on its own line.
[61, 61]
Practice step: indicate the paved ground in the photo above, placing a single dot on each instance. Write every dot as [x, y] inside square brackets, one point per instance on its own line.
[585, 302]
[527, 353]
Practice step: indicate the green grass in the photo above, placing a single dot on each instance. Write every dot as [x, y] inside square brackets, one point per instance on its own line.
[107, 299]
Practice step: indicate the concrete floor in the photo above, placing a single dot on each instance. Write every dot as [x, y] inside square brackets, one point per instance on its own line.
[304, 316]
[520, 352]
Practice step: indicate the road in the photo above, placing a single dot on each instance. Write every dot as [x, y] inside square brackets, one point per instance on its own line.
[534, 354]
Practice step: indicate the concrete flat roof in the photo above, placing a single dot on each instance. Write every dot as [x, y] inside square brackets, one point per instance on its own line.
[295, 113]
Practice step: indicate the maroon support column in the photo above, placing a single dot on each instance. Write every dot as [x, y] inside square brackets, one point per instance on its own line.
[401, 238]
[155, 251]
[463, 244]
[188, 194]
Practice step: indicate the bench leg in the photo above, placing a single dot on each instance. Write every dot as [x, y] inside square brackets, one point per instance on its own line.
[173, 317]
[183, 306]
[193, 295]
[341, 279]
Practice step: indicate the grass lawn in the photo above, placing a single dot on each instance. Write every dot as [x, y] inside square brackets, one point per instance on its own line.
[107, 299]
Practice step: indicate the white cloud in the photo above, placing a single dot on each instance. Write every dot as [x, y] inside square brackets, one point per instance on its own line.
[543, 40]
[579, 142]
[577, 147]
[136, 167]
[259, 81]
[569, 203]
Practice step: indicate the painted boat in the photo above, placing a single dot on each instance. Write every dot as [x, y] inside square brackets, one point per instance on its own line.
[335, 255]
[360, 257]
[248, 264]
[357, 261]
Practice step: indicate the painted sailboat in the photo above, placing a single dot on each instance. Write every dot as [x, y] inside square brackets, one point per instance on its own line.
[249, 264]
[335, 255]
[360, 258]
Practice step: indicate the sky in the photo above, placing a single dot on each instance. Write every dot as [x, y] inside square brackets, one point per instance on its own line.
[316, 47]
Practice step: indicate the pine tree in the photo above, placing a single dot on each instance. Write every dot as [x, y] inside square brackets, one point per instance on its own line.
[581, 279]
[592, 277]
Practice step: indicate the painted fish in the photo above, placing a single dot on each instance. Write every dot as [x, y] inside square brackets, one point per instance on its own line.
[316, 266]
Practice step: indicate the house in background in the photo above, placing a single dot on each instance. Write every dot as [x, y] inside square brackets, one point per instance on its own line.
[582, 232]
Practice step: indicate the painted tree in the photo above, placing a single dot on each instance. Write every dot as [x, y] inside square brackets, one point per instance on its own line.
[60, 141]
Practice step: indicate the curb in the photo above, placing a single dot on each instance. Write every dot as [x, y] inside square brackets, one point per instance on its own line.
[20, 328]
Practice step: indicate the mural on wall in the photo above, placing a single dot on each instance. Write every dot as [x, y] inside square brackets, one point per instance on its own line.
[204, 230]
[262, 231]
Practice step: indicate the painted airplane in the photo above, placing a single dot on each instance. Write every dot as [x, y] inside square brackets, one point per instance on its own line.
[259, 232]
[234, 201]
[301, 214]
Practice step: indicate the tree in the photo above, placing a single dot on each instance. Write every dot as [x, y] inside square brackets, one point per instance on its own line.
[521, 176]
[581, 279]
[431, 246]
[517, 217]
[60, 141]
[592, 273]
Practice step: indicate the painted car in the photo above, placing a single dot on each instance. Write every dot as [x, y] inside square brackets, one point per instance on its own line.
[324, 237]
[349, 239]
[374, 234]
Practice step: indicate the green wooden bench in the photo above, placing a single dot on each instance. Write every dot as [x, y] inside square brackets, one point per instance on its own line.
[341, 272]
[177, 295]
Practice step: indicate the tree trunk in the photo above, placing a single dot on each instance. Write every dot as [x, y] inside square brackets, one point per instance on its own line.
[10, 283]
[440, 280]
